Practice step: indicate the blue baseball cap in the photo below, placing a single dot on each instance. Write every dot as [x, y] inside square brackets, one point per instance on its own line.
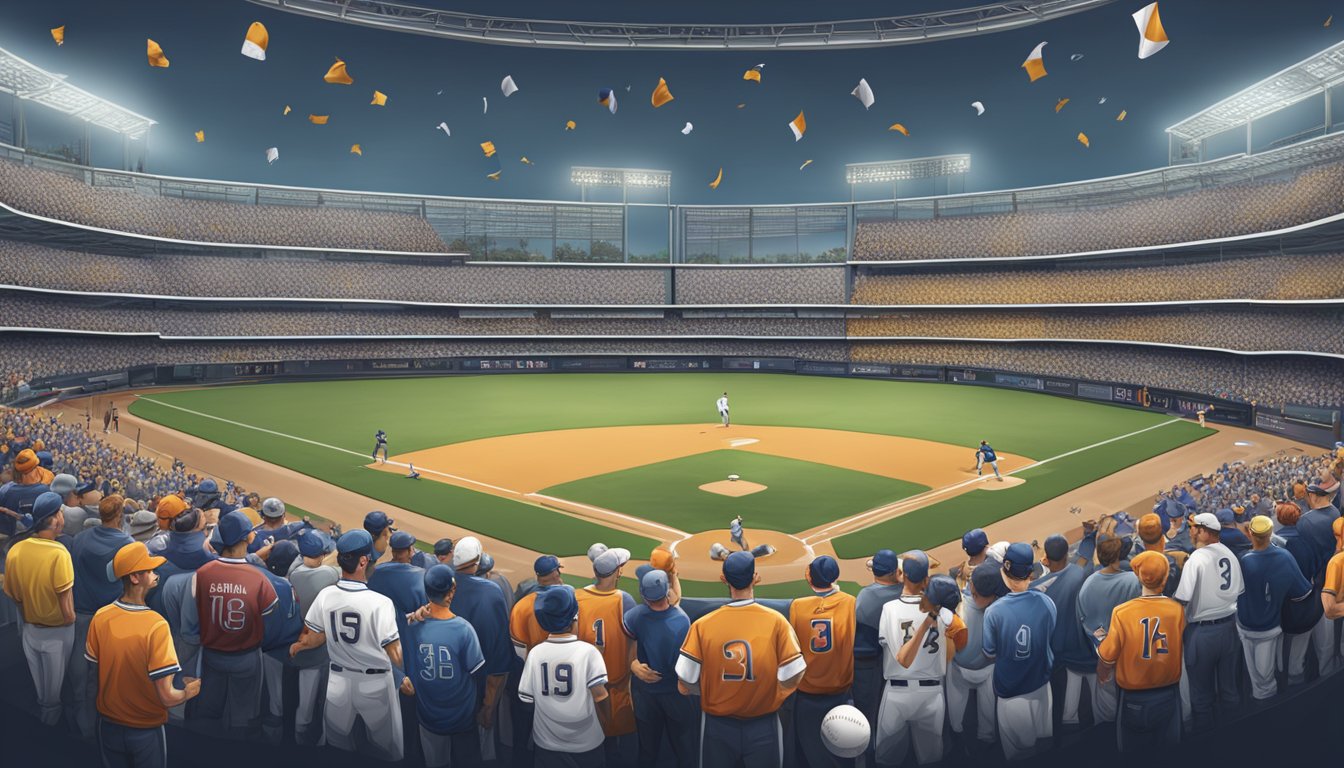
[653, 585]
[641, 570]
[942, 592]
[282, 556]
[1056, 547]
[485, 565]
[376, 521]
[313, 543]
[1018, 560]
[356, 542]
[987, 581]
[45, 505]
[823, 571]
[739, 570]
[974, 541]
[546, 564]
[401, 540]
[556, 608]
[443, 547]
[1226, 516]
[233, 528]
[439, 580]
[884, 562]
[208, 485]
[915, 566]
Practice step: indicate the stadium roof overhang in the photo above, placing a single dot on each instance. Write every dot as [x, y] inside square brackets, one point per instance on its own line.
[814, 35]
[1309, 77]
[29, 82]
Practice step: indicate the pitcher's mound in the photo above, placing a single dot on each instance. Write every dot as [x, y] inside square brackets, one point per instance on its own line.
[990, 484]
[733, 487]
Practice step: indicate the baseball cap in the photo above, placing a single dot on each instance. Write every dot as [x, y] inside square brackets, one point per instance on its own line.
[641, 570]
[987, 581]
[355, 542]
[169, 507]
[467, 550]
[546, 565]
[282, 556]
[1151, 568]
[401, 540]
[1018, 560]
[942, 591]
[45, 459]
[232, 528]
[608, 562]
[974, 541]
[556, 608]
[1260, 525]
[883, 562]
[662, 559]
[739, 569]
[85, 487]
[596, 550]
[1056, 547]
[273, 508]
[208, 485]
[653, 585]
[376, 521]
[134, 558]
[1208, 520]
[486, 564]
[45, 505]
[251, 515]
[1150, 527]
[26, 461]
[1323, 486]
[1225, 516]
[915, 565]
[313, 543]
[443, 547]
[823, 571]
[186, 522]
[64, 484]
[439, 580]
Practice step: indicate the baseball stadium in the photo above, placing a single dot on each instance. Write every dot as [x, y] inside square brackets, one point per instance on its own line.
[768, 368]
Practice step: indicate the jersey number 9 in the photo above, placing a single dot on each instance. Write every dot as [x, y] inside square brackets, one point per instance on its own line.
[564, 675]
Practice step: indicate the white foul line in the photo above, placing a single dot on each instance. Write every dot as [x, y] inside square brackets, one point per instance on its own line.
[324, 445]
[820, 534]
[613, 513]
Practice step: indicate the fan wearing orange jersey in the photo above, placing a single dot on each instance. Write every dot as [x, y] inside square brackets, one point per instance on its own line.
[602, 607]
[825, 622]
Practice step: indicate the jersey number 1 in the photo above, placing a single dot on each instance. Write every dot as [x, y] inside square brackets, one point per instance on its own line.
[1154, 642]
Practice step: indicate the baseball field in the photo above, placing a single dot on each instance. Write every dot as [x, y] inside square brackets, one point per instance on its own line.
[554, 462]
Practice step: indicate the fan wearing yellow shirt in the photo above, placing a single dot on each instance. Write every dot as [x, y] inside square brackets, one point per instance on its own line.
[132, 648]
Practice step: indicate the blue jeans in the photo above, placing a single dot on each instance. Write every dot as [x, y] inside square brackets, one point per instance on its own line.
[125, 747]
[230, 692]
[1148, 719]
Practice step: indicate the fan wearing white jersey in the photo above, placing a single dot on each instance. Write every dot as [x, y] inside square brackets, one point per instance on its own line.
[918, 632]
[359, 628]
[565, 679]
[1210, 584]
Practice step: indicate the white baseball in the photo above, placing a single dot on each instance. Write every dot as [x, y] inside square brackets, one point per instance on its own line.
[845, 731]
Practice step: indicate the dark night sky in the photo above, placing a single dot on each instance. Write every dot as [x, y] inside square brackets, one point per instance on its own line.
[1218, 46]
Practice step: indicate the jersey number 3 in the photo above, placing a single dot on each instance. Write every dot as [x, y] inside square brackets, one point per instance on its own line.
[738, 652]
[822, 640]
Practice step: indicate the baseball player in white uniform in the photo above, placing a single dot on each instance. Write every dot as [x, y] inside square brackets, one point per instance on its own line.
[722, 405]
[915, 634]
[359, 627]
[1210, 584]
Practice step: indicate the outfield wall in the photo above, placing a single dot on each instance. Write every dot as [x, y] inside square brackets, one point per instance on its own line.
[1317, 426]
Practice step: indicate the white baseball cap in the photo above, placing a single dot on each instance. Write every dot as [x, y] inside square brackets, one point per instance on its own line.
[466, 550]
[1208, 520]
[596, 550]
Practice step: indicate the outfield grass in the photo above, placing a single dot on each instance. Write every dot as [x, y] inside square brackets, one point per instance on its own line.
[798, 495]
[340, 417]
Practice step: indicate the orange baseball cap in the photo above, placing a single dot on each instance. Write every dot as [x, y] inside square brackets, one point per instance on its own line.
[662, 560]
[169, 508]
[26, 461]
[251, 514]
[134, 558]
[1152, 569]
[1149, 527]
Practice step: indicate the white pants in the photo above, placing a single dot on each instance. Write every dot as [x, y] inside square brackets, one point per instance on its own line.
[48, 652]
[310, 682]
[980, 462]
[959, 684]
[1105, 698]
[724, 415]
[1297, 656]
[1023, 720]
[371, 698]
[1262, 649]
[273, 679]
[1323, 638]
[910, 713]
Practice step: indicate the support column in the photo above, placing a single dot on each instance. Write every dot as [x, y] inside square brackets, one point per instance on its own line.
[1329, 118]
[1249, 123]
[625, 224]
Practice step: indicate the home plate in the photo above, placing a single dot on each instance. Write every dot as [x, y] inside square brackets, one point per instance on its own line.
[738, 443]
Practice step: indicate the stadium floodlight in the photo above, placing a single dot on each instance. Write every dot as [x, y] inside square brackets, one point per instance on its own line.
[29, 82]
[1314, 75]
[639, 178]
[893, 171]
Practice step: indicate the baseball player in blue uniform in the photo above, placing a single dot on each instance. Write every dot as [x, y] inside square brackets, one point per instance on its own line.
[380, 444]
[986, 455]
[443, 655]
[1017, 632]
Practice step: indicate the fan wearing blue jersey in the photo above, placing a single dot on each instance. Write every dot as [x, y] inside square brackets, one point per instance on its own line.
[1018, 628]
[442, 655]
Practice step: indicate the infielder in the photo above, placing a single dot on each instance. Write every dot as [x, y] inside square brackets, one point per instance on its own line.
[918, 633]
[1017, 634]
[722, 405]
[825, 620]
[1211, 582]
[380, 444]
[743, 660]
[986, 455]
[738, 536]
[359, 627]
[565, 679]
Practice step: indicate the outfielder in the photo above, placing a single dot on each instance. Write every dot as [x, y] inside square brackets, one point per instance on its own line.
[722, 405]
[916, 631]
[986, 455]
[359, 627]
[380, 444]
[1017, 634]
